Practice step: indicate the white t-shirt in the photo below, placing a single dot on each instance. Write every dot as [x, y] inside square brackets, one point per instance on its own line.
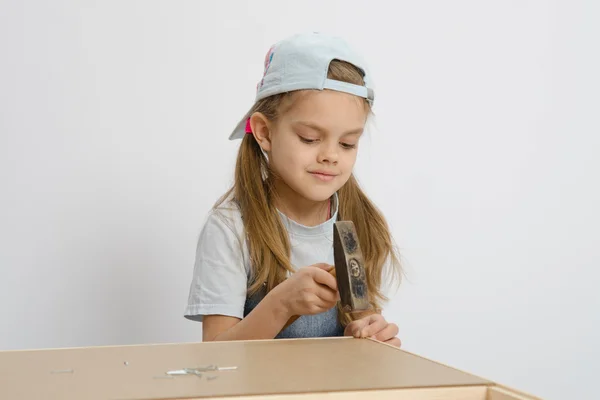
[222, 267]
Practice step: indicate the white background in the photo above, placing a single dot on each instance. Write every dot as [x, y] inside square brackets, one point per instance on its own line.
[114, 119]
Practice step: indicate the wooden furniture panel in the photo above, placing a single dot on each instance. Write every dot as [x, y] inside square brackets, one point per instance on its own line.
[330, 368]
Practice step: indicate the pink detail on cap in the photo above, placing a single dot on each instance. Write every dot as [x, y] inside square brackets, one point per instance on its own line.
[268, 59]
[248, 127]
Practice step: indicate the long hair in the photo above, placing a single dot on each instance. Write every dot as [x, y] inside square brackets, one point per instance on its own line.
[266, 236]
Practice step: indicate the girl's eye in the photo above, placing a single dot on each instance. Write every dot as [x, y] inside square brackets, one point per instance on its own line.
[305, 140]
[346, 146]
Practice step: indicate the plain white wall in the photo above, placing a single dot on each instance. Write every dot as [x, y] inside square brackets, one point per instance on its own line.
[113, 125]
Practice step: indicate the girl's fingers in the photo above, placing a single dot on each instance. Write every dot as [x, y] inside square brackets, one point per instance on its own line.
[326, 295]
[355, 327]
[376, 323]
[324, 278]
[394, 342]
[376, 327]
[387, 333]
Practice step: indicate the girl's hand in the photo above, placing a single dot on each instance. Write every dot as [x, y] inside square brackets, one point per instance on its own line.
[310, 290]
[374, 326]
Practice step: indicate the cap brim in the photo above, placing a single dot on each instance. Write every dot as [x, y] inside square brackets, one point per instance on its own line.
[240, 130]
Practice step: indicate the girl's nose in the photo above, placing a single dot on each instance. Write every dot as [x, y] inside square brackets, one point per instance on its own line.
[328, 153]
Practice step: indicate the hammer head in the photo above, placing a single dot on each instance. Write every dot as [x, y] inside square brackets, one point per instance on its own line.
[349, 268]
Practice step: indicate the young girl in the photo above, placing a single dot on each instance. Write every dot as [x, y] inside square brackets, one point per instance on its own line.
[266, 249]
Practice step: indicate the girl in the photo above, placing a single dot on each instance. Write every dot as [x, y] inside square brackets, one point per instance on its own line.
[266, 249]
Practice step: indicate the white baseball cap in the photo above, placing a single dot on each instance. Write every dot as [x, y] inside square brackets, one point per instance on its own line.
[301, 62]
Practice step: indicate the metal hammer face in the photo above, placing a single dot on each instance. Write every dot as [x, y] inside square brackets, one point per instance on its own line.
[349, 268]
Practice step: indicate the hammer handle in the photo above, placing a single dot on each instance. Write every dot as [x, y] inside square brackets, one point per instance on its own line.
[295, 317]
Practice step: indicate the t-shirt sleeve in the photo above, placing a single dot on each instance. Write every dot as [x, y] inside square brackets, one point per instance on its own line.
[219, 281]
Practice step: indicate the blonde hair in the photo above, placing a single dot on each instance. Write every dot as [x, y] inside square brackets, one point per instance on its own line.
[267, 237]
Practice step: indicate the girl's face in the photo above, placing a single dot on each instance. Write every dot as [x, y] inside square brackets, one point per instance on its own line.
[313, 145]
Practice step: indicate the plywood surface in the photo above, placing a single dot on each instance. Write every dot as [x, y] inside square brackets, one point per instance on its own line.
[263, 367]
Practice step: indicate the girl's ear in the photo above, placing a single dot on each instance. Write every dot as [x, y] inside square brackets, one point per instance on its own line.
[260, 129]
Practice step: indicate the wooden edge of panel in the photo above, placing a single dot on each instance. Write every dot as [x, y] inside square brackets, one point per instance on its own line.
[432, 393]
[499, 392]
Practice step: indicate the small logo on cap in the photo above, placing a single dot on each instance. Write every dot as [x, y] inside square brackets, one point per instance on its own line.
[268, 59]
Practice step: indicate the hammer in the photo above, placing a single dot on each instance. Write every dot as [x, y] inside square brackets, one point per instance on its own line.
[349, 270]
